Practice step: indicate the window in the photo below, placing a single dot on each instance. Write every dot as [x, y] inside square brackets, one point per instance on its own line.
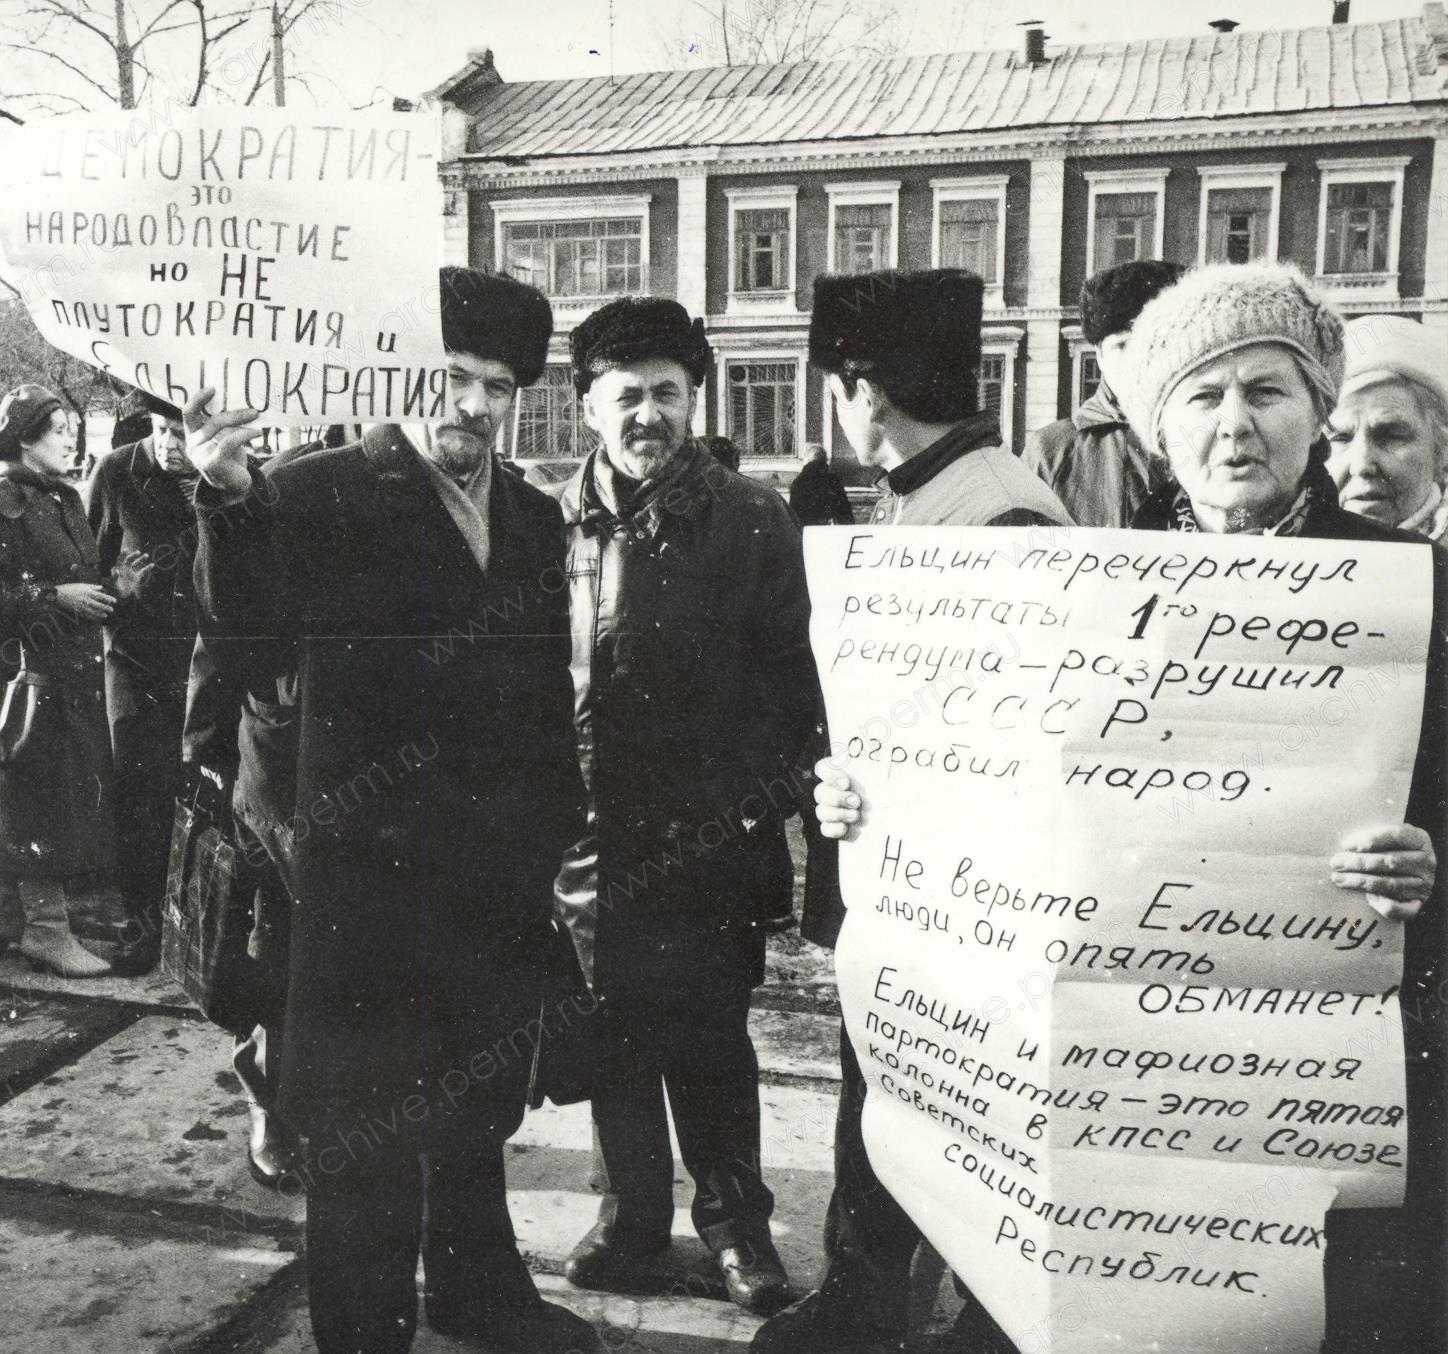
[991, 383]
[1090, 377]
[549, 420]
[576, 258]
[575, 250]
[1125, 208]
[862, 226]
[1360, 216]
[761, 248]
[970, 229]
[1237, 224]
[761, 262]
[762, 399]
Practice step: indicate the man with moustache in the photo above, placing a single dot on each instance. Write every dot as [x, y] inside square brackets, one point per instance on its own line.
[140, 499]
[419, 592]
[694, 698]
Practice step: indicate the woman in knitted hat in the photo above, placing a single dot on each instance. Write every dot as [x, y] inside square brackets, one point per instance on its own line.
[1388, 436]
[56, 815]
[1233, 374]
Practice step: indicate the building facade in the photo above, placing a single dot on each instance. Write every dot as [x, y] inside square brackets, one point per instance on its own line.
[731, 188]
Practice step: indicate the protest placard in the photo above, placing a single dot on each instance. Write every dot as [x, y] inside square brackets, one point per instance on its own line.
[288, 261]
[1124, 1037]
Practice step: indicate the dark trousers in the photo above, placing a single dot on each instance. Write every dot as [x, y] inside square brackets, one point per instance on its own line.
[695, 1045]
[365, 1232]
[147, 747]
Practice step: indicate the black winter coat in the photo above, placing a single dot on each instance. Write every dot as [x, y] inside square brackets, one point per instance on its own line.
[437, 783]
[695, 694]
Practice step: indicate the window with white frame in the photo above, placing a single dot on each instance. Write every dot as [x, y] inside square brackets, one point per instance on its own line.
[970, 227]
[761, 406]
[1239, 213]
[761, 243]
[575, 249]
[991, 383]
[863, 228]
[996, 377]
[1089, 380]
[1125, 210]
[549, 421]
[1360, 216]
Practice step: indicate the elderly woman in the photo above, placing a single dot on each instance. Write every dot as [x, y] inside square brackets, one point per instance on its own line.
[1388, 436]
[1232, 374]
[56, 816]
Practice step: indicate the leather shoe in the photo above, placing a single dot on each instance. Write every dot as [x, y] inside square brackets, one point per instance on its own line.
[541, 1328]
[754, 1276]
[823, 1324]
[614, 1262]
[271, 1154]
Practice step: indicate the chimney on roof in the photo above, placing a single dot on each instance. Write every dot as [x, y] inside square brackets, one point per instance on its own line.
[1033, 48]
[1224, 25]
[1340, 10]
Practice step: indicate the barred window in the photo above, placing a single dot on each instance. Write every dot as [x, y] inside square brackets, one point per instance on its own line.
[968, 236]
[761, 249]
[762, 408]
[1359, 216]
[1090, 377]
[862, 237]
[550, 421]
[577, 258]
[992, 381]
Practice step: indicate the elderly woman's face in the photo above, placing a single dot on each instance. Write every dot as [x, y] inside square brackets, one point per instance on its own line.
[1238, 432]
[1382, 458]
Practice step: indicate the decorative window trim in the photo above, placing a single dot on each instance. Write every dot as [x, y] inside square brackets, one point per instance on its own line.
[1079, 350]
[1365, 169]
[511, 211]
[748, 199]
[1005, 342]
[1099, 181]
[780, 354]
[979, 188]
[1241, 176]
[880, 193]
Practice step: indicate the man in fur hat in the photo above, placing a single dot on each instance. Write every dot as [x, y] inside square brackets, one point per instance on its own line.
[419, 593]
[140, 499]
[1093, 461]
[694, 698]
[901, 350]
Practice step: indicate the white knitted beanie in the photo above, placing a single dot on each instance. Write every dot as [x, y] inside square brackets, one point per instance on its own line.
[1213, 311]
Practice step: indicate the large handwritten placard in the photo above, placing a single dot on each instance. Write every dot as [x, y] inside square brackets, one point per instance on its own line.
[1126, 1041]
[289, 261]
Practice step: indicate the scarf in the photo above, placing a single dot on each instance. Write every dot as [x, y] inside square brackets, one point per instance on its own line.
[1431, 519]
[466, 503]
[1291, 523]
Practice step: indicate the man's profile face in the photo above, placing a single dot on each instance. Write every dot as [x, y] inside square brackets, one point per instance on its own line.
[479, 393]
[641, 414]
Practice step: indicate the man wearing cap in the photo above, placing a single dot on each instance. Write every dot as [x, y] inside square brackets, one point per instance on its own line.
[693, 699]
[1093, 461]
[901, 350]
[140, 499]
[420, 593]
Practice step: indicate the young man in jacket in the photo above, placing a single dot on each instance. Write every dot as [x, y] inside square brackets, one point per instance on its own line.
[1093, 461]
[421, 594]
[693, 702]
[901, 351]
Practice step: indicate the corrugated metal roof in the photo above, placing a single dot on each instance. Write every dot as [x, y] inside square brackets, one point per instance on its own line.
[1161, 79]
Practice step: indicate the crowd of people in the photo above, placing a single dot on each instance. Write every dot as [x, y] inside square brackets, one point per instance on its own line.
[491, 754]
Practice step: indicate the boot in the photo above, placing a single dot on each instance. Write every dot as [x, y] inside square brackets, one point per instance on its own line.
[47, 941]
[12, 915]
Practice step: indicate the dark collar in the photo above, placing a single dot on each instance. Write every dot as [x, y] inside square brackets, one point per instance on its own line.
[20, 485]
[979, 430]
[1102, 410]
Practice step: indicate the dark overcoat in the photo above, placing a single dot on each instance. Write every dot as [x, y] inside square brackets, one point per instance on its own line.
[437, 782]
[57, 811]
[695, 693]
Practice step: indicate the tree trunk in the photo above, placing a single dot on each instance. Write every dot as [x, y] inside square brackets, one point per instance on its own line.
[125, 60]
[279, 76]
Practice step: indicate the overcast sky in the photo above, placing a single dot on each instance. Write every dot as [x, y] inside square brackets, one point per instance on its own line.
[362, 51]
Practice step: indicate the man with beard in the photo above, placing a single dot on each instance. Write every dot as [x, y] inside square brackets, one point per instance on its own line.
[694, 698]
[140, 500]
[421, 593]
